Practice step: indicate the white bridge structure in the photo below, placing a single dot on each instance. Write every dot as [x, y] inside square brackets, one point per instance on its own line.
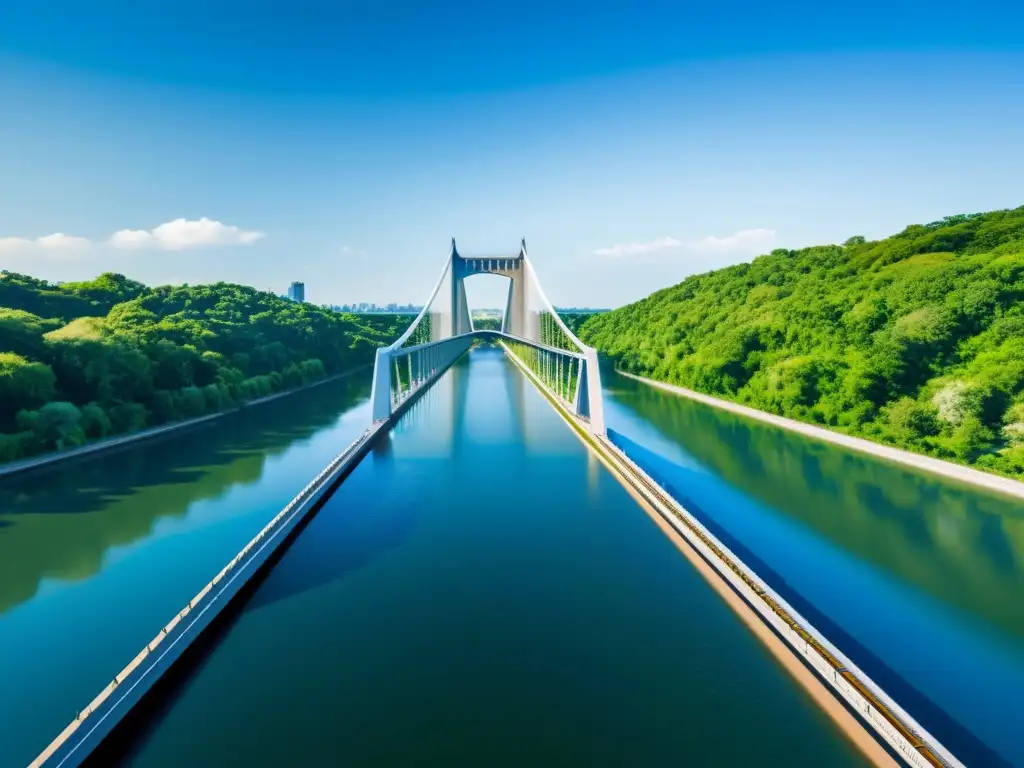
[531, 330]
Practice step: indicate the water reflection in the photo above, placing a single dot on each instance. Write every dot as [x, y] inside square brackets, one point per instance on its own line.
[687, 486]
[916, 579]
[60, 522]
[963, 545]
[490, 610]
[444, 407]
[436, 426]
[345, 542]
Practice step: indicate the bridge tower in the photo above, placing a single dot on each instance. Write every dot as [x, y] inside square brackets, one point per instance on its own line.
[443, 331]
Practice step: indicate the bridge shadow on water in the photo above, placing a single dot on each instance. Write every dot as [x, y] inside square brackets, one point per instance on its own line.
[122, 745]
[961, 742]
[347, 538]
[351, 538]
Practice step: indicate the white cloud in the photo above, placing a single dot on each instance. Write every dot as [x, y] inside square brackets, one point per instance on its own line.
[635, 249]
[177, 235]
[746, 242]
[60, 241]
[56, 244]
[183, 234]
[131, 238]
[13, 244]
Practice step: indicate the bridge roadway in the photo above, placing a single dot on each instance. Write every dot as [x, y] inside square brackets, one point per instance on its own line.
[440, 608]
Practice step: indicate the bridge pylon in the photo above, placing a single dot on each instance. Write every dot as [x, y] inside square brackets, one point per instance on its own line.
[443, 331]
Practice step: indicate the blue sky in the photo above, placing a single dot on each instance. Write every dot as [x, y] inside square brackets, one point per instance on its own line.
[344, 144]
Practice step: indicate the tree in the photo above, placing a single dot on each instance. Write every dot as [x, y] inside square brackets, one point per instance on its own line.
[94, 423]
[22, 332]
[916, 339]
[127, 355]
[23, 384]
[55, 425]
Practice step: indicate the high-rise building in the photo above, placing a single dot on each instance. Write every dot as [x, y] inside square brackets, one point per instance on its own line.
[297, 291]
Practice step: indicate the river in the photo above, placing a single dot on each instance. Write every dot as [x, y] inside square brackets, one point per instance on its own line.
[479, 589]
[920, 581]
[97, 554]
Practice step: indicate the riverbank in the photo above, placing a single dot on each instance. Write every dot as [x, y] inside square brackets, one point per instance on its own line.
[946, 469]
[37, 462]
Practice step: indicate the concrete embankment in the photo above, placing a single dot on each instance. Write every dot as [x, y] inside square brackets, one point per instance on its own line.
[946, 469]
[112, 443]
[803, 651]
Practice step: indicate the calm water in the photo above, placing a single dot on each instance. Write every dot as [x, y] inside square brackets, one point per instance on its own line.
[96, 556]
[920, 581]
[480, 590]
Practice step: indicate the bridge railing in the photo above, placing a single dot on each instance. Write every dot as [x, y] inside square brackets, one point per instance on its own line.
[443, 331]
[560, 372]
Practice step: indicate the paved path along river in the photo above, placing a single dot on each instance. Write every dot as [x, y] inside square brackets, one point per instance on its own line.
[482, 590]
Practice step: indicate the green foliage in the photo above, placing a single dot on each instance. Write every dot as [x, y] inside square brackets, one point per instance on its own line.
[573, 320]
[86, 360]
[15, 446]
[23, 384]
[42, 299]
[128, 417]
[22, 332]
[54, 426]
[95, 423]
[916, 340]
[487, 323]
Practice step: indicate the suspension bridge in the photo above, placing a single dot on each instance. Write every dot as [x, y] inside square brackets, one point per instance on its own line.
[530, 329]
[566, 371]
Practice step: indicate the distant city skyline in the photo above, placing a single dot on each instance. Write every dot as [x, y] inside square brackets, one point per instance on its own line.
[369, 306]
[397, 308]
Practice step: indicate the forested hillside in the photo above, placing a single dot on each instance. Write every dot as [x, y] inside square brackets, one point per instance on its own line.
[916, 340]
[80, 361]
[574, 320]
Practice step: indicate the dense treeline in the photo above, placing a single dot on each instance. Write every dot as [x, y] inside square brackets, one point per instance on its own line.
[81, 361]
[916, 340]
[487, 323]
[574, 320]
